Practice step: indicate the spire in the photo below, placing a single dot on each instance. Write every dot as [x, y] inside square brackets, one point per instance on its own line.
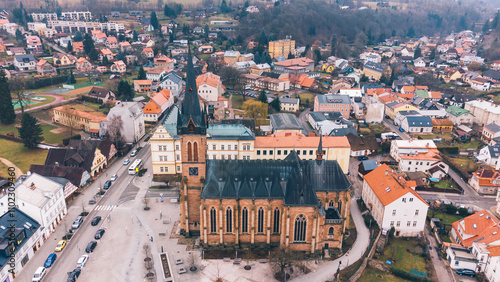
[319, 153]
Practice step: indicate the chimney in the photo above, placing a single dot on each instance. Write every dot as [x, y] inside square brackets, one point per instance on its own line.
[386, 172]
[32, 186]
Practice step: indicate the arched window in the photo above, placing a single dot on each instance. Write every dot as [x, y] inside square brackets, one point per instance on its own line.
[300, 229]
[330, 231]
[330, 204]
[213, 220]
[276, 223]
[195, 151]
[339, 206]
[190, 152]
[260, 223]
[244, 220]
[229, 219]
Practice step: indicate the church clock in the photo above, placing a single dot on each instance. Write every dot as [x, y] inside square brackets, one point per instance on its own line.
[193, 171]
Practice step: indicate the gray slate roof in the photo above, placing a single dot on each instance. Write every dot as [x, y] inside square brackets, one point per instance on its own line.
[493, 127]
[334, 99]
[375, 66]
[285, 121]
[419, 121]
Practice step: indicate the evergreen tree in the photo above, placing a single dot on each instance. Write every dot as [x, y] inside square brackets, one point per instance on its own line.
[417, 53]
[432, 56]
[93, 55]
[334, 44]
[224, 8]
[30, 131]
[7, 113]
[486, 25]
[125, 91]
[19, 35]
[317, 55]
[71, 77]
[78, 37]
[135, 36]
[257, 59]
[496, 19]
[263, 38]
[291, 56]
[69, 47]
[88, 43]
[105, 61]
[142, 73]
[411, 32]
[276, 104]
[154, 20]
[262, 96]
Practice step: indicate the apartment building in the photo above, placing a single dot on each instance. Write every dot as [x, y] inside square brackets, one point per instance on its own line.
[281, 47]
[419, 155]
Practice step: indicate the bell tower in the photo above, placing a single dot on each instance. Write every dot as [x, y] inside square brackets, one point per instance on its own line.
[192, 130]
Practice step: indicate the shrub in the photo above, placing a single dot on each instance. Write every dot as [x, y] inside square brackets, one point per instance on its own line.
[450, 209]
[405, 275]
[66, 140]
[463, 212]
[142, 171]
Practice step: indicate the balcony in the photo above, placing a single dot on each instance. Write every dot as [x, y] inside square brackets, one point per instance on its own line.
[332, 216]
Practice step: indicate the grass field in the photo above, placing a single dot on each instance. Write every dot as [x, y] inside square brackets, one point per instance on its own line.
[3, 170]
[405, 255]
[48, 99]
[447, 218]
[54, 138]
[20, 156]
[89, 108]
[372, 274]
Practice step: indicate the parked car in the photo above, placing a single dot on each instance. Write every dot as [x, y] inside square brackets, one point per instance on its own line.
[50, 260]
[126, 162]
[114, 177]
[74, 274]
[362, 158]
[78, 221]
[134, 153]
[91, 246]
[82, 261]
[99, 233]
[39, 274]
[60, 246]
[465, 271]
[107, 184]
[401, 129]
[95, 220]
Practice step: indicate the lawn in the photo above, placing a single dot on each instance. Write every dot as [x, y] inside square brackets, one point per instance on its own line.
[446, 218]
[48, 99]
[404, 254]
[237, 101]
[3, 170]
[306, 96]
[474, 144]
[445, 184]
[464, 163]
[446, 136]
[20, 156]
[372, 274]
[54, 138]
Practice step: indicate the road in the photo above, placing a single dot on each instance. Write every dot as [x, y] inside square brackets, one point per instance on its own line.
[55, 47]
[304, 123]
[389, 123]
[443, 272]
[66, 260]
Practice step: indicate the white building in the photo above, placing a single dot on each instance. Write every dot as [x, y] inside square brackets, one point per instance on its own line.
[133, 120]
[40, 198]
[417, 124]
[352, 92]
[374, 110]
[25, 62]
[171, 81]
[210, 87]
[419, 155]
[393, 202]
[484, 112]
[489, 155]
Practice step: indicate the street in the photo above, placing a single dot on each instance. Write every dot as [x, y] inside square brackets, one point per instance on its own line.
[303, 121]
[388, 123]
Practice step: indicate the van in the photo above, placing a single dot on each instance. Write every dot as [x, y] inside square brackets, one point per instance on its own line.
[39, 274]
[78, 221]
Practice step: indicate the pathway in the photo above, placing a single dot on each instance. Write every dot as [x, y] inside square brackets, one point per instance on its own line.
[304, 123]
[8, 163]
[327, 270]
[442, 272]
[58, 100]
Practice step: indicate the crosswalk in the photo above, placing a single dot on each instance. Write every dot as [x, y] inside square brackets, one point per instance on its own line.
[104, 207]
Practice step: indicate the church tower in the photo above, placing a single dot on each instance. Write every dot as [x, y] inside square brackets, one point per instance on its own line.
[192, 130]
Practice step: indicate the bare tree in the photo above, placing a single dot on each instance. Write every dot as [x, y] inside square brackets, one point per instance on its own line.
[280, 259]
[115, 127]
[17, 86]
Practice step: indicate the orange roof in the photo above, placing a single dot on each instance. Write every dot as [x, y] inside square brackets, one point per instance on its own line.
[143, 81]
[147, 50]
[422, 87]
[41, 62]
[290, 139]
[124, 44]
[303, 61]
[112, 40]
[303, 80]
[90, 116]
[78, 45]
[386, 99]
[165, 92]
[407, 89]
[481, 227]
[152, 108]
[435, 94]
[441, 122]
[494, 251]
[106, 52]
[208, 78]
[81, 60]
[377, 91]
[160, 100]
[389, 186]
[4, 21]
[407, 96]
[432, 154]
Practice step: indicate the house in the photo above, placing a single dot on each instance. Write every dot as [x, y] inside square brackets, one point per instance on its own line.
[157, 105]
[490, 134]
[131, 59]
[119, 66]
[285, 122]
[459, 116]
[295, 66]
[362, 145]
[107, 148]
[106, 53]
[480, 84]
[16, 51]
[375, 70]
[44, 68]
[148, 53]
[78, 176]
[171, 81]
[440, 125]
[142, 86]
[206, 49]
[210, 87]
[265, 82]
[101, 69]
[92, 160]
[333, 103]
[163, 61]
[477, 228]
[419, 62]
[483, 112]
[495, 65]
[61, 59]
[78, 47]
[492, 75]
[34, 44]
[460, 99]
[258, 69]
[394, 203]
[125, 46]
[99, 37]
[25, 62]
[231, 57]
[419, 155]
[102, 94]
[83, 65]
[289, 104]
[489, 155]
[486, 180]
[133, 120]
[391, 109]
[18, 250]
[417, 124]
[111, 42]
[32, 194]
[91, 122]
[155, 74]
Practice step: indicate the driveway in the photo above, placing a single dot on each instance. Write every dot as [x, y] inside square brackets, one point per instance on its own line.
[443, 272]
[304, 123]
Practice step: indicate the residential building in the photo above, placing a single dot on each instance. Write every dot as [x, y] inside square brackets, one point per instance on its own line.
[484, 112]
[157, 105]
[90, 121]
[17, 250]
[491, 134]
[231, 57]
[77, 16]
[419, 155]
[265, 82]
[362, 145]
[480, 84]
[440, 125]
[163, 61]
[41, 199]
[459, 116]
[205, 49]
[282, 47]
[375, 70]
[477, 228]
[25, 62]
[289, 104]
[124, 46]
[258, 69]
[486, 180]
[155, 74]
[295, 66]
[172, 81]
[142, 86]
[303, 81]
[391, 109]
[148, 53]
[285, 122]
[34, 44]
[111, 42]
[78, 176]
[374, 110]
[61, 59]
[38, 17]
[106, 147]
[102, 94]
[489, 155]
[83, 64]
[417, 124]
[351, 92]
[84, 27]
[333, 103]
[460, 257]
[133, 120]
[210, 87]
[394, 203]
[44, 68]
[119, 67]
[106, 53]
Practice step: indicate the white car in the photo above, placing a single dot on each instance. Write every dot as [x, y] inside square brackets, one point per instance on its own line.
[82, 261]
[134, 152]
[39, 274]
[114, 177]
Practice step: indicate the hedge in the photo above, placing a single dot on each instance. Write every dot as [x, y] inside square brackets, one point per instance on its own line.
[406, 275]
[66, 140]
[91, 99]
[36, 83]
[449, 150]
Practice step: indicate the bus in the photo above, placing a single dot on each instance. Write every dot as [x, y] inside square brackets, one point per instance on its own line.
[135, 166]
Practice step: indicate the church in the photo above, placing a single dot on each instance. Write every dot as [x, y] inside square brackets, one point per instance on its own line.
[300, 204]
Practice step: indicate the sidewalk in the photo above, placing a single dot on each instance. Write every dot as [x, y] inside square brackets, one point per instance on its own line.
[327, 270]
[442, 272]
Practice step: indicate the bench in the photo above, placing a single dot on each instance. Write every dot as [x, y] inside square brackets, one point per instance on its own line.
[226, 259]
[263, 260]
[237, 261]
[179, 261]
[182, 270]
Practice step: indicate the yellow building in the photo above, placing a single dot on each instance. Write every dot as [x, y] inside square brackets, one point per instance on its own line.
[391, 109]
[83, 118]
[281, 47]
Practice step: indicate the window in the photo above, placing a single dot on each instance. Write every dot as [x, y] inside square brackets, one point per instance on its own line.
[304, 152]
[279, 152]
[276, 223]
[411, 200]
[258, 152]
[161, 169]
[190, 152]
[330, 231]
[393, 212]
[330, 204]
[339, 207]
[404, 200]
[298, 152]
[300, 229]
[228, 157]
[260, 223]
[310, 152]
[270, 152]
[286, 152]
[414, 224]
[409, 162]
[178, 157]
[178, 168]
[161, 158]
[236, 147]
[392, 223]
[177, 147]
[222, 147]
[229, 220]
[408, 223]
[195, 153]
[264, 152]
[229, 147]
[416, 212]
[214, 157]
[398, 223]
[213, 220]
[244, 220]
[214, 147]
